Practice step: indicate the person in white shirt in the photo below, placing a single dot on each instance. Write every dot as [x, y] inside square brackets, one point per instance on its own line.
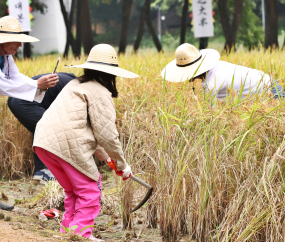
[12, 82]
[217, 76]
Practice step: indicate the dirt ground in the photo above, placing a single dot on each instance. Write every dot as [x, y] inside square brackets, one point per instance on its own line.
[23, 224]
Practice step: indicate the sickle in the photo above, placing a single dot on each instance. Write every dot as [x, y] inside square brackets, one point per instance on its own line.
[112, 165]
[147, 196]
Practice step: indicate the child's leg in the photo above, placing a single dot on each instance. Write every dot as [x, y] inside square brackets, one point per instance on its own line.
[59, 173]
[69, 206]
[88, 195]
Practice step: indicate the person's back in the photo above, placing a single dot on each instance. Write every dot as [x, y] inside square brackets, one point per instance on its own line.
[225, 75]
[29, 113]
[218, 77]
[65, 129]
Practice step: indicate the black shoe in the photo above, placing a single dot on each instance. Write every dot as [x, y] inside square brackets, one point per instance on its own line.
[6, 207]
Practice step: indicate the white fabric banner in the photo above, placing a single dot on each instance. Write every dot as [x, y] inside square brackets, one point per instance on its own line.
[20, 10]
[202, 18]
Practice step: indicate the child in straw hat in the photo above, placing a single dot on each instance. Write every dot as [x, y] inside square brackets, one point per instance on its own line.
[79, 123]
[13, 83]
[217, 76]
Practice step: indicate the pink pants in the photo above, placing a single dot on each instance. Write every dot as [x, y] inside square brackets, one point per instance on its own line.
[82, 194]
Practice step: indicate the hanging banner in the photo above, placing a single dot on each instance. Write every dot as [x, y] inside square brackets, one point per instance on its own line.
[202, 18]
[20, 10]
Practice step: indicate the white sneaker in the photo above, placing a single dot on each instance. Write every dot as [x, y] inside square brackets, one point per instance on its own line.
[44, 175]
[92, 238]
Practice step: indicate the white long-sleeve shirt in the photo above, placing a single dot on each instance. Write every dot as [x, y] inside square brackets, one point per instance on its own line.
[19, 85]
[226, 75]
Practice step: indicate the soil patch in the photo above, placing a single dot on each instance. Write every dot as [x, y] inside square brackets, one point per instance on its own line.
[11, 232]
[24, 224]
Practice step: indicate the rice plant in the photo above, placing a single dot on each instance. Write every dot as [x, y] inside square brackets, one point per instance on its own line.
[218, 172]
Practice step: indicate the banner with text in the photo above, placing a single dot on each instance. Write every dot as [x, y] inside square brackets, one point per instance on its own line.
[202, 18]
[20, 10]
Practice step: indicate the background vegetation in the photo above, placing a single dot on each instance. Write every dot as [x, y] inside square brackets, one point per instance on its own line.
[104, 19]
[218, 172]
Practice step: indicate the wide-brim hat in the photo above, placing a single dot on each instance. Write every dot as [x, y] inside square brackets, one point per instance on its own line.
[11, 31]
[103, 57]
[189, 62]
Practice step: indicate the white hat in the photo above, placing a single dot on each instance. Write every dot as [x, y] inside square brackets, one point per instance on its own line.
[11, 31]
[189, 62]
[103, 57]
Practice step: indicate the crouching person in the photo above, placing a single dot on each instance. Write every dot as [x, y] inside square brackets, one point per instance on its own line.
[29, 114]
[217, 76]
[79, 123]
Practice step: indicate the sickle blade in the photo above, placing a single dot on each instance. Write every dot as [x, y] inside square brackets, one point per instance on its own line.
[147, 196]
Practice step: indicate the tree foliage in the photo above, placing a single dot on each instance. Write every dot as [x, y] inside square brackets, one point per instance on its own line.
[105, 10]
[37, 5]
[250, 33]
[165, 5]
[3, 8]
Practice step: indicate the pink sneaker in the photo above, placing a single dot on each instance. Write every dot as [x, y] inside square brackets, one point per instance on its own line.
[95, 239]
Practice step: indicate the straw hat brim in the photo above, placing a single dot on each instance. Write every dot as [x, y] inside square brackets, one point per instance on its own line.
[5, 38]
[117, 71]
[174, 73]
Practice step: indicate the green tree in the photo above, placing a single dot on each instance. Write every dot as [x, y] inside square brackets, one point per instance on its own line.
[3, 8]
[250, 32]
[36, 5]
[39, 6]
[107, 14]
[271, 24]
[145, 17]
[126, 12]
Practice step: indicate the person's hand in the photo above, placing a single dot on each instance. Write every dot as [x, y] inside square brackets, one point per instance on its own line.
[125, 174]
[47, 81]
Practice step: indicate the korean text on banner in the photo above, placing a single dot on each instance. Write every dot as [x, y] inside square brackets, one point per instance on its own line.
[202, 18]
[20, 10]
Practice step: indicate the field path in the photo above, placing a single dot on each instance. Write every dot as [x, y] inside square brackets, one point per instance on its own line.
[26, 226]
[8, 233]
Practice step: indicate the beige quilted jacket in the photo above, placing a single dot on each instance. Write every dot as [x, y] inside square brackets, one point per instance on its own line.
[78, 122]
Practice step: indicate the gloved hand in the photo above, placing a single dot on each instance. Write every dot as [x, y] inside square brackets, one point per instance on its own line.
[125, 174]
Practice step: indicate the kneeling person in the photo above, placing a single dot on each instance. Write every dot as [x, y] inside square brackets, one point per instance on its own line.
[217, 76]
[29, 114]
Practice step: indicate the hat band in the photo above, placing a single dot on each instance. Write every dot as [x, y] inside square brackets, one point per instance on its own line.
[9, 32]
[190, 63]
[103, 63]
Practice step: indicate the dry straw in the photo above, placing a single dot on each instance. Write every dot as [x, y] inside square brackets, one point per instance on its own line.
[218, 172]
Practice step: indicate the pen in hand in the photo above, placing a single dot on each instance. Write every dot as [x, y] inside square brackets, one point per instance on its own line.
[56, 65]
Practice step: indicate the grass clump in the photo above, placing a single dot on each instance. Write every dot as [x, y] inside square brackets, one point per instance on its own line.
[50, 196]
[7, 218]
[2, 216]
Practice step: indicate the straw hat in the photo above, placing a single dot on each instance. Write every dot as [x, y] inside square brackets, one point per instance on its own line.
[188, 60]
[104, 58]
[11, 31]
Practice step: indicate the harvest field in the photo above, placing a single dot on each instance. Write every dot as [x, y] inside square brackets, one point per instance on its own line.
[217, 170]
